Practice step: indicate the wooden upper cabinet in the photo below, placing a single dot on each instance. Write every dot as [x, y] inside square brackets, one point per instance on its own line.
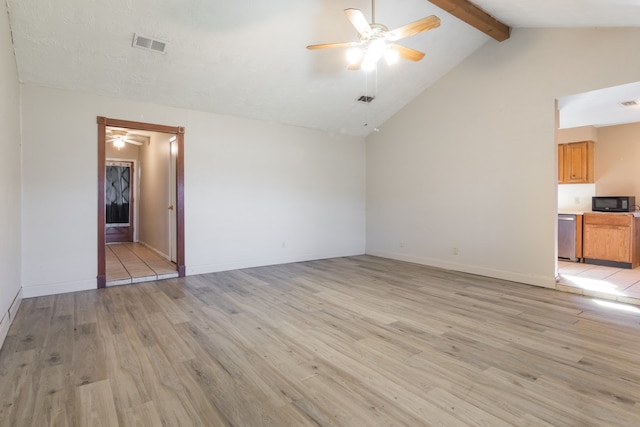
[575, 163]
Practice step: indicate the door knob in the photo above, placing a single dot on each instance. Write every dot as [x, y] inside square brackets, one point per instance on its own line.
[170, 207]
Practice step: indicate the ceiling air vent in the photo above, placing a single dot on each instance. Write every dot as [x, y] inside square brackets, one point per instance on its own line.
[365, 99]
[144, 42]
[629, 103]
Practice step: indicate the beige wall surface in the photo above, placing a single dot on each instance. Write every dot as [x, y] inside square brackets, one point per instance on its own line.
[154, 193]
[128, 152]
[10, 181]
[256, 193]
[617, 161]
[582, 133]
[482, 197]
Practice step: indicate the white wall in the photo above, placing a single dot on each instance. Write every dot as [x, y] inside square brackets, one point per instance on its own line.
[575, 198]
[249, 187]
[471, 163]
[10, 162]
[262, 193]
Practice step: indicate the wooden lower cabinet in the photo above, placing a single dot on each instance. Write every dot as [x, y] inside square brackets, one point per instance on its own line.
[611, 239]
[579, 239]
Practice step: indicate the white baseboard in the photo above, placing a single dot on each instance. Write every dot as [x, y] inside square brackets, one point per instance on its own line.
[7, 318]
[15, 305]
[542, 281]
[5, 322]
[240, 264]
[157, 251]
[58, 288]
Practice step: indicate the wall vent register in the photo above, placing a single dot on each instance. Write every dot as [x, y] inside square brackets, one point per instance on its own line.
[148, 43]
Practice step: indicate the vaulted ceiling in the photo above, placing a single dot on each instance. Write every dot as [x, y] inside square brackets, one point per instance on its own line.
[248, 58]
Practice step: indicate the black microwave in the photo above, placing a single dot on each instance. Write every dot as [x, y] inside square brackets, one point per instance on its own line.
[613, 203]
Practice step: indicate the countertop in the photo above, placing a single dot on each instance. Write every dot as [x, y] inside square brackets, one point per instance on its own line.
[570, 212]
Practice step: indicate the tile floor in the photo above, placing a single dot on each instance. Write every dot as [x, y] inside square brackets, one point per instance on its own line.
[614, 284]
[134, 262]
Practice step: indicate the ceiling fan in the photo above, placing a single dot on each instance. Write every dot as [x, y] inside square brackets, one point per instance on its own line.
[376, 40]
[120, 137]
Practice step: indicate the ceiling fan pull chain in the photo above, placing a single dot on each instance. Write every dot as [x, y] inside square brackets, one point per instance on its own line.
[366, 93]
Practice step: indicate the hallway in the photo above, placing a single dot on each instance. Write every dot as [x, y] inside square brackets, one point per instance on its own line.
[134, 263]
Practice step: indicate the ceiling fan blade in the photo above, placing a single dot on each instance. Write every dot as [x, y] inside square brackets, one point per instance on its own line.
[358, 20]
[330, 45]
[131, 141]
[407, 53]
[415, 27]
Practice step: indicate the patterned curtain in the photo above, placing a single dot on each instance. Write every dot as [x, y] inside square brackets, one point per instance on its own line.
[117, 194]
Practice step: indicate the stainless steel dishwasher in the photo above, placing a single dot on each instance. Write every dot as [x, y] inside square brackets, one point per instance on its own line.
[567, 237]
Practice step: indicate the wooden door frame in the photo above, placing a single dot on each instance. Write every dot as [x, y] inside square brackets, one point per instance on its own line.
[103, 122]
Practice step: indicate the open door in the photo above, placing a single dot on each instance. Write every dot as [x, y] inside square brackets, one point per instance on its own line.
[177, 209]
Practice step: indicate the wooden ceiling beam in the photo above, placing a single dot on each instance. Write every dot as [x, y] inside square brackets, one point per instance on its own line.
[476, 17]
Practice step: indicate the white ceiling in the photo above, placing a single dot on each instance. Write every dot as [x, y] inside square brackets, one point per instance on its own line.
[248, 58]
[564, 13]
[601, 107]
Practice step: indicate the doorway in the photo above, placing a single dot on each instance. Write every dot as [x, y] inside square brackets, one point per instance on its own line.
[601, 121]
[119, 199]
[122, 178]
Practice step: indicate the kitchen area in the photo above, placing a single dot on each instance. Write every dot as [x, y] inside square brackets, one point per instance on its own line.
[598, 216]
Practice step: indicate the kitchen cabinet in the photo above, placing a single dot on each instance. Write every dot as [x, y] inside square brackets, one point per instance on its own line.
[575, 163]
[579, 238]
[611, 239]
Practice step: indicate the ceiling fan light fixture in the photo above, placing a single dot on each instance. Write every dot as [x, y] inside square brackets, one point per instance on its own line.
[118, 143]
[376, 40]
[368, 66]
[391, 56]
[376, 50]
[354, 55]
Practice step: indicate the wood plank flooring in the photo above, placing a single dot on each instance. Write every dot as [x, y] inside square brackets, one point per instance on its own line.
[358, 341]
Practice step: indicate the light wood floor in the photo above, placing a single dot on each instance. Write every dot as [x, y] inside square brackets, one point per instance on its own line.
[134, 263]
[359, 341]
